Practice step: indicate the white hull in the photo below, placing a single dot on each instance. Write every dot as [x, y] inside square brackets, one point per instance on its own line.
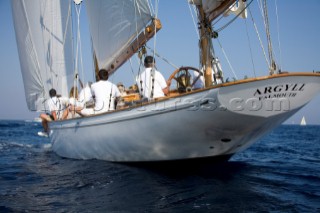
[219, 121]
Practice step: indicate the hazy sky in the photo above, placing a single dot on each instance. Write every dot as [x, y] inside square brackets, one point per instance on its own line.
[299, 33]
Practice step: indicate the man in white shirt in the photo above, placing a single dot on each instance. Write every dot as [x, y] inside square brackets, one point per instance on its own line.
[151, 82]
[55, 107]
[104, 93]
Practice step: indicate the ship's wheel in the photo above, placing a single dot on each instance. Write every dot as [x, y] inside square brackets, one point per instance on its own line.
[184, 77]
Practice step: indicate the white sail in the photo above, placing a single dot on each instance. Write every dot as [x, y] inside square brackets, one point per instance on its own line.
[114, 24]
[43, 35]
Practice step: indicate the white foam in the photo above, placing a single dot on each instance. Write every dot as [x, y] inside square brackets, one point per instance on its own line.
[47, 146]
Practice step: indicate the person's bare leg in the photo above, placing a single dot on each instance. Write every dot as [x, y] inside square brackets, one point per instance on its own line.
[44, 118]
[65, 114]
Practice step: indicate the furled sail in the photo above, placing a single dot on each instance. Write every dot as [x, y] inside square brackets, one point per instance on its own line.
[213, 8]
[114, 24]
[43, 34]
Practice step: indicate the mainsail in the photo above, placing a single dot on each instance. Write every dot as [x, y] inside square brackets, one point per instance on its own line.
[43, 34]
[114, 24]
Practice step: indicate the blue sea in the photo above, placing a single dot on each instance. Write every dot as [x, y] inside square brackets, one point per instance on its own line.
[279, 173]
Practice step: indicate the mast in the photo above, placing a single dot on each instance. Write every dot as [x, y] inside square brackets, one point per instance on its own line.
[206, 49]
[209, 10]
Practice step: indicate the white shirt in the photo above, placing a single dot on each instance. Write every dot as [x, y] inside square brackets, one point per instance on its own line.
[57, 105]
[143, 81]
[200, 82]
[85, 94]
[102, 90]
[75, 102]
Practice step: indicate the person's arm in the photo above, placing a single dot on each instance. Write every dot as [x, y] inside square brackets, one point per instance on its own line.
[165, 90]
[163, 83]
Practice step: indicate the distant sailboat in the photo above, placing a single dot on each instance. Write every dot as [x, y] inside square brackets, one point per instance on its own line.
[303, 121]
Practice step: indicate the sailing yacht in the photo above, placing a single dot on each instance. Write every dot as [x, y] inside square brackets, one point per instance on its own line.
[218, 120]
[303, 121]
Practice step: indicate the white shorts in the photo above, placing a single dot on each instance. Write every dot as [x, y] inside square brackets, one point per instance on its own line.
[87, 111]
[91, 111]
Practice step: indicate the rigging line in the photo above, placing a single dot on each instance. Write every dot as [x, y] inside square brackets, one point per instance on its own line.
[136, 23]
[261, 44]
[67, 23]
[137, 33]
[233, 19]
[253, 67]
[78, 11]
[225, 55]
[65, 35]
[132, 71]
[267, 29]
[272, 67]
[150, 6]
[156, 8]
[263, 10]
[155, 32]
[80, 49]
[81, 59]
[152, 76]
[278, 29]
[56, 72]
[193, 19]
[77, 42]
[72, 38]
[164, 59]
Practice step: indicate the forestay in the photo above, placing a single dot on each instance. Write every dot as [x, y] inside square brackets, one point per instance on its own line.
[43, 34]
[114, 24]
